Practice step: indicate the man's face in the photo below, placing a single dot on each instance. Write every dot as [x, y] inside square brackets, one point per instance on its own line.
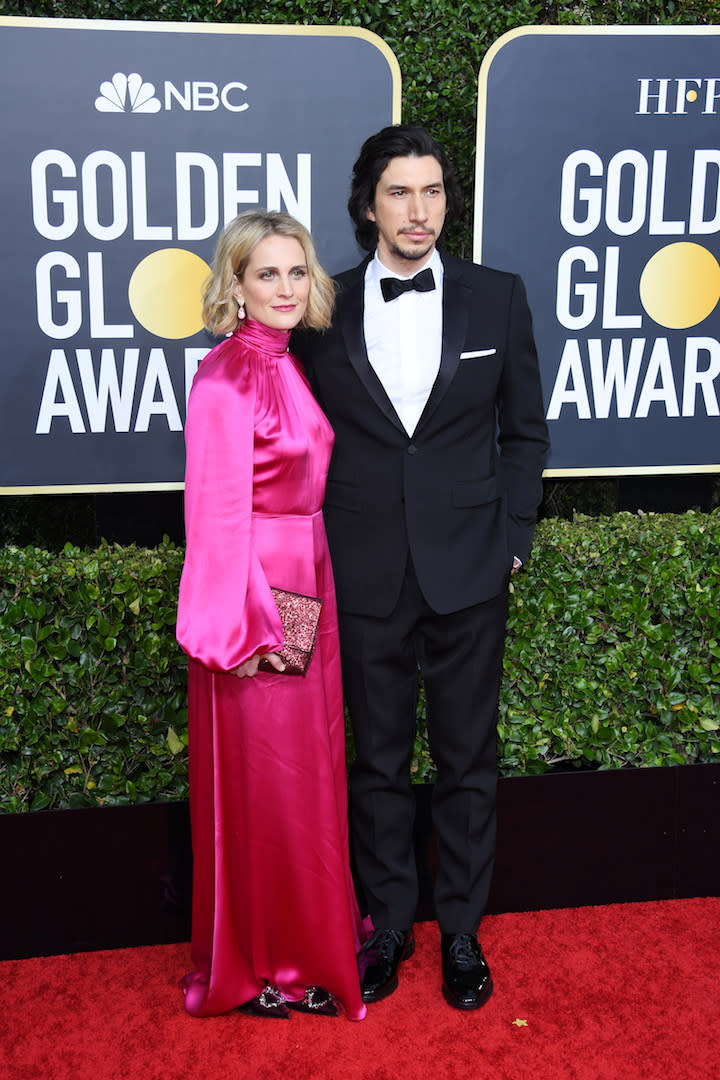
[409, 211]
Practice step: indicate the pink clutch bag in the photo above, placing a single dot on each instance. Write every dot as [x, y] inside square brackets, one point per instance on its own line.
[300, 616]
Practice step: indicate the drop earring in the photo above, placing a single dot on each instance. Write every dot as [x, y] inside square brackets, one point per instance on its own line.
[238, 299]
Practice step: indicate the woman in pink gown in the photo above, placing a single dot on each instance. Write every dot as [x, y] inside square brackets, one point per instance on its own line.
[275, 921]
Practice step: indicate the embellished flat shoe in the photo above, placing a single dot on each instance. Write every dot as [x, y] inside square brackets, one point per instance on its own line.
[317, 1001]
[269, 1002]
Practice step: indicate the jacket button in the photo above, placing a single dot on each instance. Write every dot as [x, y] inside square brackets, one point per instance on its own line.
[412, 449]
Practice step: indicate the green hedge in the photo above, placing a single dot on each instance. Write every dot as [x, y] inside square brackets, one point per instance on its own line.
[92, 683]
[613, 659]
[613, 653]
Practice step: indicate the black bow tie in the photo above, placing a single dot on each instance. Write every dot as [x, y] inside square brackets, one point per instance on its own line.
[422, 282]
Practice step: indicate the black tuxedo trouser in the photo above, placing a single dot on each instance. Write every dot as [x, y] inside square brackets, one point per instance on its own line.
[460, 656]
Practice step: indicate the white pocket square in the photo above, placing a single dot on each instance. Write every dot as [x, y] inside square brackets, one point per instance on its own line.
[480, 352]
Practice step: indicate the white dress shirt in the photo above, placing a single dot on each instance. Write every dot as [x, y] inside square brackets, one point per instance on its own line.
[404, 338]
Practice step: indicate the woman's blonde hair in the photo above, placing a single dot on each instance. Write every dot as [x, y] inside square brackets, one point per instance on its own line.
[236, 244]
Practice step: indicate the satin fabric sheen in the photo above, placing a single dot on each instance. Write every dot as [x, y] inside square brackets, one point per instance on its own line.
[273, 900]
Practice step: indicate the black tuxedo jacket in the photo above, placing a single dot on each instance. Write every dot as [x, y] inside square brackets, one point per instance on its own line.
[461, 493]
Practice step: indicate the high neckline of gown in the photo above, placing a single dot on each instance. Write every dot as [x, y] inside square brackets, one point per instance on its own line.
[264, 338]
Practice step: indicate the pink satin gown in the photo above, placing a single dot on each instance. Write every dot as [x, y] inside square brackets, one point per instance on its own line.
[273, 900]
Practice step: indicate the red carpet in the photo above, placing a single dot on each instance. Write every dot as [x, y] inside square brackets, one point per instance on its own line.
[627, 992]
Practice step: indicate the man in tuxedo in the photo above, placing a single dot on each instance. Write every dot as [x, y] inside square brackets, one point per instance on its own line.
[429, 377]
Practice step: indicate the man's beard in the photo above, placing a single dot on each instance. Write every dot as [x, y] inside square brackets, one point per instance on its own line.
[413, 255]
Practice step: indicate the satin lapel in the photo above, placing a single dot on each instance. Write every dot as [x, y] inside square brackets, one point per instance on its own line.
[456, 309]
[350, 316]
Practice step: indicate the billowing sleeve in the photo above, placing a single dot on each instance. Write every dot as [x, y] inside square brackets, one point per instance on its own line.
[226, 612]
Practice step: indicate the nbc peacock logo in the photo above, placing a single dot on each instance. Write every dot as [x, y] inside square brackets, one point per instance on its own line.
[127, 94]
[131, 94]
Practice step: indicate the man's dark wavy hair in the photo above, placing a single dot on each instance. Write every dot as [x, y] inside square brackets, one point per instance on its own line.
[399, 140]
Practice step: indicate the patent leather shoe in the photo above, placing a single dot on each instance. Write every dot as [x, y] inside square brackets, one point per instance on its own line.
[379, 960]
[466, 975]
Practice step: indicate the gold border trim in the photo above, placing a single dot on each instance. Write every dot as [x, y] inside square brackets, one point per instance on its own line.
[549, 474]
[274, 30]
[639, 470]
[79, 489]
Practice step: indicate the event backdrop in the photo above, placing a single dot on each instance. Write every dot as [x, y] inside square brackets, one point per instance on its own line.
[126, 147]
[598, 181]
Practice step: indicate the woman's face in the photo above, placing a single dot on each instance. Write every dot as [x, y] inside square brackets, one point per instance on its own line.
[276, 284]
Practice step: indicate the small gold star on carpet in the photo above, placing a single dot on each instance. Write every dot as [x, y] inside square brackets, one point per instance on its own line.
[520, 1023]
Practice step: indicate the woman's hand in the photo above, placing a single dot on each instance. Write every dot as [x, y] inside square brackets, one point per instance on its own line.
[250, 667]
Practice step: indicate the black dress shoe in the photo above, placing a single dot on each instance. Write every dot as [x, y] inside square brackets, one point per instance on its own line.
[379, 960]
[317, 1002]
[268, 1003]
[467, 983]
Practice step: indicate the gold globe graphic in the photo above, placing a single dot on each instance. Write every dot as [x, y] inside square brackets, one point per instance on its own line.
[680, 285]
[165, 292]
